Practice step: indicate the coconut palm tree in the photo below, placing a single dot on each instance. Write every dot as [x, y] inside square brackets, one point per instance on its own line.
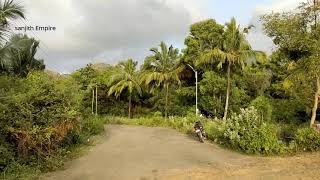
[234, 50]
[8, 11]
[19, 55]
[161, 69]
[125, 77]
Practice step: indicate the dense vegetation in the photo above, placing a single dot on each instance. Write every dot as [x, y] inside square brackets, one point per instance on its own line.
[251, 102]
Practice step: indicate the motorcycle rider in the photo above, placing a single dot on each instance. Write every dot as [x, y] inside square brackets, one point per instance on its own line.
[198, 125]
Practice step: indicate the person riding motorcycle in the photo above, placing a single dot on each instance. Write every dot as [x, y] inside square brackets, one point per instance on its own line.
[198, 126]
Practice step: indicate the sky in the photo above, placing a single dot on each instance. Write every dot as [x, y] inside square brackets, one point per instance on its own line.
[108, 31]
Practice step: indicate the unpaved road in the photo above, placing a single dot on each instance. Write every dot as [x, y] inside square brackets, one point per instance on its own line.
[140, 153]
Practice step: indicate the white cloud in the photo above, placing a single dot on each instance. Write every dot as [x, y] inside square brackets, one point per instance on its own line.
[257, 37]
[112, 29]
[279, 6]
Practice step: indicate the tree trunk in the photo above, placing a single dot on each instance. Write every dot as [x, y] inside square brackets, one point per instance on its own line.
[129, 114]
[316, 102]
[96, 99]
[228, 93]
[315, 14]
[92, 103]
[167, 97]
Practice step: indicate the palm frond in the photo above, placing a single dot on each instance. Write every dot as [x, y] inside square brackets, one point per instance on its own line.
[213, 56]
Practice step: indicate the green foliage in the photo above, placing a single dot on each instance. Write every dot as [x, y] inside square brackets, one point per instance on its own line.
[247, 132]
[204, 35]
[6, 156]
[84, 76]
[16, 170]
[296, 34]
[43, 117]
[263, 107]
[39, 121]
[125, 77]
[286, 132]
[18, 56]
[212, 89]
[161, 69]
[234, 50]
[287, 111]
[93, 125]
[307, 139]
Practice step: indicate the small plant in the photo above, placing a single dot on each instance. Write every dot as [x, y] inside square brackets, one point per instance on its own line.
[93, 125]
[246, 132]
[306, 139]
[263, 107]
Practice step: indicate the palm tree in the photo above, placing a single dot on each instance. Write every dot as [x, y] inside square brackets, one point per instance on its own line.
[162, 69]
[19, 55]
[234, 50]
[8, 11]
[125, 77]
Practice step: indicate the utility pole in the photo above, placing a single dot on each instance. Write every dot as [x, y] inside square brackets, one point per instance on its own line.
[92, 103]
[315, 2]
[96, 99]
[196, 75]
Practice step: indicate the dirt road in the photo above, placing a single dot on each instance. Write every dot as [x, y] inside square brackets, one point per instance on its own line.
[140, 153]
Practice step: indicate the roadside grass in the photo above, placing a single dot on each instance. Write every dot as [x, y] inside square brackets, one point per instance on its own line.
[271, 139]
[74, 145]
[184, 125]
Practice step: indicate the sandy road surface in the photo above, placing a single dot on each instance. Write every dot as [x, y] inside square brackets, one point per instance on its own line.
[140, 153]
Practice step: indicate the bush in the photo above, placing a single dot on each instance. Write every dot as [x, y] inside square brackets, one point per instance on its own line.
[39, 123]
[16, 170]
[6, 156]
[72, 138]
[306, 139]
[246, 132]
[287, 111]
[93, 125]
[286, 132]
[264, 108]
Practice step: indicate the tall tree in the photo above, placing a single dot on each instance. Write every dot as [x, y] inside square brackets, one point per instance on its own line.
[19, 55]
[204, 36]
[297, 36]
[162, 69]
[234, 50]
[8, 11]
[125, 77]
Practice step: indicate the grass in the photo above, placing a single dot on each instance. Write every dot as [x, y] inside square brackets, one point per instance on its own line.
[215, 130]
[181, 124]
[78, 142]
[75, 144]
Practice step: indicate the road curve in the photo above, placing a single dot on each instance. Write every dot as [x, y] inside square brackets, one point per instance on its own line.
[140, 153]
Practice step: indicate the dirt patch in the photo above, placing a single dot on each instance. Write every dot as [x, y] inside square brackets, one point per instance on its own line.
[139, 153]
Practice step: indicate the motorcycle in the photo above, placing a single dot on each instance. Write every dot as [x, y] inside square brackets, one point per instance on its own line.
[199, 130]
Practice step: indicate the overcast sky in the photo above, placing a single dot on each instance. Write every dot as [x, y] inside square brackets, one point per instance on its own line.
[106, 31]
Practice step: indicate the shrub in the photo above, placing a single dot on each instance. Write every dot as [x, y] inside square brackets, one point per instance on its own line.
[6, 156]
[72, 138]
[16, 170]
[287, 111]
[39, 116]
[264, 108]
[247, 133]
[307, 139]
[286, 132]
[93, 125]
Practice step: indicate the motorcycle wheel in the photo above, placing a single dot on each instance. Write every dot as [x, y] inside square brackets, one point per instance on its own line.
[200, 137]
